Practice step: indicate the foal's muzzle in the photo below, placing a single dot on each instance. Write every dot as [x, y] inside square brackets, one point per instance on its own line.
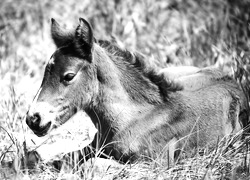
[34, 123]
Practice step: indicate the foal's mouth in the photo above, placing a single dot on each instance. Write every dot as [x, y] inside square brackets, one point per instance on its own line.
[64, 116]
[43, 131]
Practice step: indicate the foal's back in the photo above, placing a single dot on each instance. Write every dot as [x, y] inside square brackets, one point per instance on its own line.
[213, 107]
[193, 78]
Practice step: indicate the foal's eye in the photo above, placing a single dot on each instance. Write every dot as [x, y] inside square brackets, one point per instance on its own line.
[68, 77]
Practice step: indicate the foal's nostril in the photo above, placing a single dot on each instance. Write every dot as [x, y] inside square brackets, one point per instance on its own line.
[35, 124]
[36, 119]
[33, 121]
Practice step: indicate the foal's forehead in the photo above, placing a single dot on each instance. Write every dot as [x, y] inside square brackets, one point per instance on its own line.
[61, 56]
[62, 61]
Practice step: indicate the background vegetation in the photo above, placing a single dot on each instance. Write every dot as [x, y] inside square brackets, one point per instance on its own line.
[173, 32]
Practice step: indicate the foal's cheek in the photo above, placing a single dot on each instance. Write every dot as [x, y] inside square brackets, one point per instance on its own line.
[88, 93]
[85, 87]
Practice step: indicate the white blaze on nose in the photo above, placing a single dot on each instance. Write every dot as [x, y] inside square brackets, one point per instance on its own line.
[44, 109]
[46, 112]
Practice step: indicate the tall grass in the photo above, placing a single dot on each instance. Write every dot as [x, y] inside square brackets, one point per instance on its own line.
[195, 32]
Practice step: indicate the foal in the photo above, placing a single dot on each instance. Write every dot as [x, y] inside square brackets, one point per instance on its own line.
[137, 111]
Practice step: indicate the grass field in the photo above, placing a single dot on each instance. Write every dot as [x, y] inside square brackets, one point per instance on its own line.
[199, 33]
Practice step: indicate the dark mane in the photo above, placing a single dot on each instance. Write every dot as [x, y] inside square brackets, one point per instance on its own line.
[138, 61]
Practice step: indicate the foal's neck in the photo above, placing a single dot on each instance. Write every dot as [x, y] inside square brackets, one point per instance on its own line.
[124, 93]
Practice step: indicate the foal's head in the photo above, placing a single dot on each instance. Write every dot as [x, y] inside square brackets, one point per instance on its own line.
[70, 80]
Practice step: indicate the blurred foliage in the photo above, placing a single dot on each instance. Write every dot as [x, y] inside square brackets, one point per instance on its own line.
[178, 31]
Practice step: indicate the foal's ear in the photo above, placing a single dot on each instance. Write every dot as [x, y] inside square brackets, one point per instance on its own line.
[84, 33]
[60, 35]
